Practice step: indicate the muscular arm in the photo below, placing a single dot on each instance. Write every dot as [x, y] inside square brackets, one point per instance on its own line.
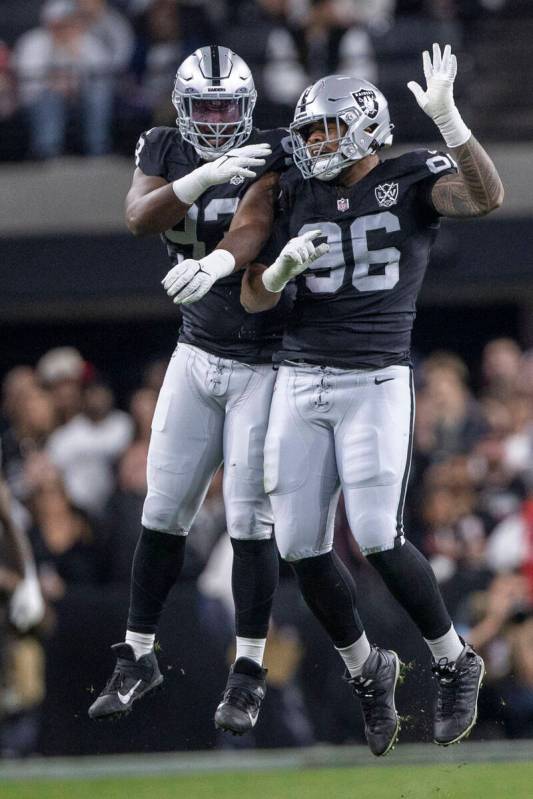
[475, 191]
[151, 205]
[254, 296]
[252, 223]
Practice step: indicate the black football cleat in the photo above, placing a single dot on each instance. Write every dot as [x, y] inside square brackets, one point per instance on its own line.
[458, 685]
[241, 702]
[375, 689]
[130, 680]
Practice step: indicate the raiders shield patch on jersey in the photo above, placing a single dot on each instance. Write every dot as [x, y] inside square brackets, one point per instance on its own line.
[386, 194]
[367, 102]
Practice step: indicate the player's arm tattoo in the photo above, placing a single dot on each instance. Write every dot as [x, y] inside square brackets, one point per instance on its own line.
[251, 226]
[254, 295]
[475, 191]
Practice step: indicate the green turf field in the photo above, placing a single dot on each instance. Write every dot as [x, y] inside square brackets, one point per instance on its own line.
[457, 781]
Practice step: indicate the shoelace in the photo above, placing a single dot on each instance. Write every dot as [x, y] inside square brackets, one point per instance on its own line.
[241, 698]
[367, 694]
[446, 676]
[121, 673]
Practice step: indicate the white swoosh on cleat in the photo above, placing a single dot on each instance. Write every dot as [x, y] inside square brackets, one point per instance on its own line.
[125, 698]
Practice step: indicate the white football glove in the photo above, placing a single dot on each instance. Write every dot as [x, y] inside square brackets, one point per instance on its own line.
[234, 163]
[294, 259]
[437, 101]
[26, 606]
[190, 280]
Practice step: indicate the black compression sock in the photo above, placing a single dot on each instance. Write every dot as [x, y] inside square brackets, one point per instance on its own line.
[157, 563]
[329, 590]
[410, 579]
[254, 580]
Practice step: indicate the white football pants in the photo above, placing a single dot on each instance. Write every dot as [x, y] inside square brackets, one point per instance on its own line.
[336, 428]
[209, 410]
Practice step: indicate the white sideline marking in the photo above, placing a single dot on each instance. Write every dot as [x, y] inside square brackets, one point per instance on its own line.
[213, 761]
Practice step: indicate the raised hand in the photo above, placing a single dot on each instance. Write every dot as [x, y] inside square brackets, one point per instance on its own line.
[437, 100]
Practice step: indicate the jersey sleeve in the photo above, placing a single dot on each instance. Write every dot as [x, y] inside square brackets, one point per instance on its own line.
[150, 153]
[158, 151]
[281, 158]
[433, 165]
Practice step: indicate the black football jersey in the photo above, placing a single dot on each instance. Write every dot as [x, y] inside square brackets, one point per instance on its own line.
[217, 323]
[355, 307]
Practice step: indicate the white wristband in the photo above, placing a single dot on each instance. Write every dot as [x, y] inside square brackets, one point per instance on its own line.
[219, 263]
[188, 188]
[273, 281]
[453, 129]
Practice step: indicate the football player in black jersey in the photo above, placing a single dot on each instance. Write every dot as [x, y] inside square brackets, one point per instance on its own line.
[214, 402]
[343, 409]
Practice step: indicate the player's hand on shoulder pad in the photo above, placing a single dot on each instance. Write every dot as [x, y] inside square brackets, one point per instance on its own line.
[259, 150]
[190, 280]
[440, 75]
[237, 162]
[294, 259]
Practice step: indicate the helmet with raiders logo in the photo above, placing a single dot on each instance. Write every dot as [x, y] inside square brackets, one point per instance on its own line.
[214, 95]
[339, 99]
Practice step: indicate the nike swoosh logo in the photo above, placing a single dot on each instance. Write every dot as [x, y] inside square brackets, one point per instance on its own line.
[378, 382]
[125, 698]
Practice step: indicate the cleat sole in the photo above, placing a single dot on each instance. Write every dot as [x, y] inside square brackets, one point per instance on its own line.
[226, 728]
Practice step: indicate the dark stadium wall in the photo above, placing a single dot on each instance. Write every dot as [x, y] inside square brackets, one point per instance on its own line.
[115, 276]
[102, 293]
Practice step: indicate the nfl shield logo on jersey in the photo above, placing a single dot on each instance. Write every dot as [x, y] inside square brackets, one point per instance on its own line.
[343, 204]
[387, 194]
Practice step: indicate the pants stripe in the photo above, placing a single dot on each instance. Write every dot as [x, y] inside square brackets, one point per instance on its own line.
[405, 479]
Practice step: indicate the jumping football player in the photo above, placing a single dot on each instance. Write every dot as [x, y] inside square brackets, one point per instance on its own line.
[215, 399]
[343, 409]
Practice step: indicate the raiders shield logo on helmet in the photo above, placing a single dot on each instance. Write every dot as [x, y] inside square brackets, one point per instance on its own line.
[386, 194]
[367, 102]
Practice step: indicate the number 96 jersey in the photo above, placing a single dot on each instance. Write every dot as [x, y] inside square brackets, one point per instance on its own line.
[355, 306]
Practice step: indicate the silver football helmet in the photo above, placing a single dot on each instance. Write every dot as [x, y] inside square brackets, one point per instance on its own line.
[339, 99]
[214, 95]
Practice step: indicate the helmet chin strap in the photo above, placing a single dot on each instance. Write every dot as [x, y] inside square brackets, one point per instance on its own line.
[329, 175]
[327, 168]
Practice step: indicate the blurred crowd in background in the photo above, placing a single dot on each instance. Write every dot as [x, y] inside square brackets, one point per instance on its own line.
[75, 466]
[85, 76]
